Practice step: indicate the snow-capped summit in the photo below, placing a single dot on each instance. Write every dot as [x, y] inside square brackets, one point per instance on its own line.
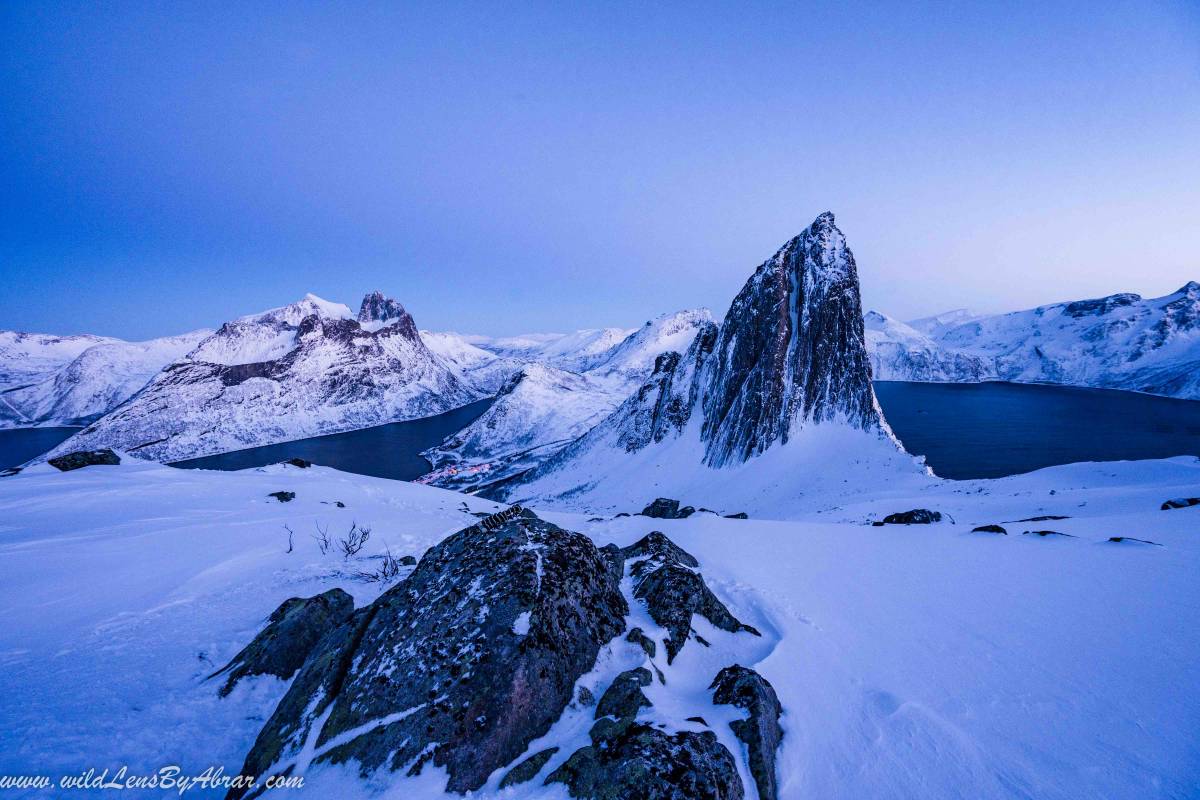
[302, 370]
[378, 311]
[782, 387]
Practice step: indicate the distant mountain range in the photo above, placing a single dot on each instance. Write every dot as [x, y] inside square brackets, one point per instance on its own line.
[314, 367]
[1122, 341]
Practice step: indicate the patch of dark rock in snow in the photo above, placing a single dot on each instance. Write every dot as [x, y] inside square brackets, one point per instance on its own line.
[1181, 502]
[1047, 533]
[744, 688]
[666, 580]
[1043, 518]
[655, 545]
[698, 720]
[298, 462]
[408, 561]
[989, 529]
[292, 631]
[527, 769]
[639, 637]
[738, 515]
[463, 663]
[1120, 539]
[283, 497]
[918, 516]
[624, 696]
[666, 508]
[85, 458]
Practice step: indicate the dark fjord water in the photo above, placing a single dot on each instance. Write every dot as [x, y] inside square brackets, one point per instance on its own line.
[988, 430]
[21, 444]
[981, 430]
[385, 451]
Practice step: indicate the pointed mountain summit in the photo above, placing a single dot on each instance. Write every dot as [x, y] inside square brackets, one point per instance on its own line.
[780, 394]
[791, 350]
[379, 311]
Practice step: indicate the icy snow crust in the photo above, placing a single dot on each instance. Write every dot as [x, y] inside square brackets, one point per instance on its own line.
[921, 661]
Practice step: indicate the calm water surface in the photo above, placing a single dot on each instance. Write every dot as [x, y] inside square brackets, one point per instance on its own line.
[987, 430]
[385, 451]
[972, 430]
[21, 444]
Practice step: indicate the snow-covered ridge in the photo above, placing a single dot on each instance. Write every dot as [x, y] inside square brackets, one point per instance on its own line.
[1122, 341]
[302, 370]
[540, 408]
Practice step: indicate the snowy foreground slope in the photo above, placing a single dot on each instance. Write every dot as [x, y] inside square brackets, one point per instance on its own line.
[910, 661]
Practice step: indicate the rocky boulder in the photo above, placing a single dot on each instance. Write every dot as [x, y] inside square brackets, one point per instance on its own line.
[666, 581]
[292, 632]
[744, 688]
[463, 663]
[630, 759]
[666, 508]
[1181, 502]
[85, 458]
[990, 529]
[918, 516]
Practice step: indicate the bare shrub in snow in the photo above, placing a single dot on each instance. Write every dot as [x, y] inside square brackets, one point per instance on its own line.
[353, 541]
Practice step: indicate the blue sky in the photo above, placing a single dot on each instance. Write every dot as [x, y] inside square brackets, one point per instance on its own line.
[169, 166]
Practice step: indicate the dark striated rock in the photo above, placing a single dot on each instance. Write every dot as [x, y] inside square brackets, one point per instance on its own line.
[378, 308]
[666, 508]
[85, 458]
[463, 663]
[630, 760]
[745, 688]
[989, 529]
[615, 558]
[299, 462]
[283, 497]
[657, 546]
[1120, 539]
[674, 593]
[585, 697]
[527, 769]
[292, 631]
[791, 349]
[918, 516]
[639, 637]
[624, 696]
[1181, 502]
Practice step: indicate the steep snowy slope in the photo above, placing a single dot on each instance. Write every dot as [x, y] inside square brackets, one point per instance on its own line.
[472, 365]
[911, 662]
[902, 353]
[575, 352]
[542, 409]
[26, 358]
[302, 370]
[539, 410]
[95, 382]
[781, 389]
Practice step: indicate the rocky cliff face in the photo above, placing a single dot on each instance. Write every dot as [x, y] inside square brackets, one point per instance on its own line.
[302, 370]
[791, 350]
[790, 355]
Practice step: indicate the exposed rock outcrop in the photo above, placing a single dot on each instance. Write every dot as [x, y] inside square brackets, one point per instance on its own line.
[666, 508]
[85, 458]
[463, 663]
[745, 688]
[292, 632]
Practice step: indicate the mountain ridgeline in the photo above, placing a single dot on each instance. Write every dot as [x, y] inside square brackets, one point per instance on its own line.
[789, 354]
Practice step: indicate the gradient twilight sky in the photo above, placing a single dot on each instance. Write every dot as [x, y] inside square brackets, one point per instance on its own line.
[168, 166]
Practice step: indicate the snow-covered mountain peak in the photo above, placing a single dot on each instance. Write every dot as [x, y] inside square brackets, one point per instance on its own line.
[380, 311]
